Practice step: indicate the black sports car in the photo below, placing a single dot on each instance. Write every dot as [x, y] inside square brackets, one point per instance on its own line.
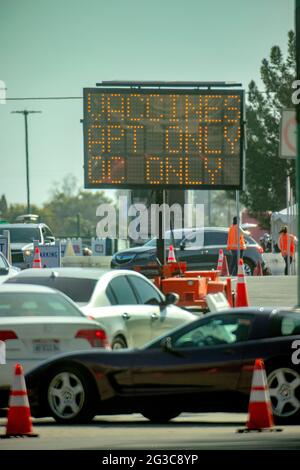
[203, 366]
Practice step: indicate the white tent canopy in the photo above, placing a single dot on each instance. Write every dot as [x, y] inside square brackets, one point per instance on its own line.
[287, 217]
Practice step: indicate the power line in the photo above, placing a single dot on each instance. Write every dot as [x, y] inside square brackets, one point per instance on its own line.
[46, 98]
[81, 97]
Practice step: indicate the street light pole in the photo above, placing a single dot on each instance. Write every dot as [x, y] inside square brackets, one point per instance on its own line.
[25, 113]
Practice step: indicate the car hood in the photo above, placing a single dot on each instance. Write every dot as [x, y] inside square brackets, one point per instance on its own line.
[136, 250]
[21, 246]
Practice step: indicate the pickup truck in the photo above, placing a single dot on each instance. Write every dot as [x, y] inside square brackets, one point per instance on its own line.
[22, 237]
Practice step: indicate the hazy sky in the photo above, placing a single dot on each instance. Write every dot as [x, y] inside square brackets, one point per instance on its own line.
[57, 47]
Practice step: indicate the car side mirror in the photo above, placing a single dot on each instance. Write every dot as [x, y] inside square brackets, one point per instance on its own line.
[49, 239]
[166, 344]
[4, 271]
[152, 301]
[171, 298]
[182, 246]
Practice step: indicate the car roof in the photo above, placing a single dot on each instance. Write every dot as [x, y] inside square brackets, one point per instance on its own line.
[193, 229]
[79, 273]
[13, 288]
[22, 224]
[247, 310]
[268, 311]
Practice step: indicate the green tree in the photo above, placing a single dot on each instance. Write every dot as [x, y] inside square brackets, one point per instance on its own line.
[3, 207]
[68, 205]
[265, 171]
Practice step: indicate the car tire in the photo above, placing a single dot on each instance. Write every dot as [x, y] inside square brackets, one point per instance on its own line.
[119, 343]
[160, 417]
[284, 388]
[69, 395]
[248, 267]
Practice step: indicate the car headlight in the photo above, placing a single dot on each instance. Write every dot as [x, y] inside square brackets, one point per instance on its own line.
[124, 258]
[27, 253]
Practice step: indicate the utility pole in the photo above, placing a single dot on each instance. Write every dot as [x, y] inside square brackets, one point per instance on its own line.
[25, 114]
[297, 106]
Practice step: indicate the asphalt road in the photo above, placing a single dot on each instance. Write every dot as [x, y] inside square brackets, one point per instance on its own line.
[188, 432]
[266, 291]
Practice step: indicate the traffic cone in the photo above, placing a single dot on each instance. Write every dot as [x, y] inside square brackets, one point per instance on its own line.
[258, 270]
[260, 415]
[220, 261]
[260, 408]
[225, 270]
[241, 296]
[171, 255]
[19, 417]
[37, 262]
[69, 249]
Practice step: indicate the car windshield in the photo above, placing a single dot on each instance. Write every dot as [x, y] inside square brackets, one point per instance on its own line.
[32, 304]
[79, 290]
[169, 239]
[22, 234]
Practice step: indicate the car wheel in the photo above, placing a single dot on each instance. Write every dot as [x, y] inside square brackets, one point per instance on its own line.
[69, 396]
[160, 417]
[248, 267]
[119, 343]
[284, 387]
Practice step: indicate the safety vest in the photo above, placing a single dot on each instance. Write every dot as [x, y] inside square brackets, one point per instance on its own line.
[287, 244]
[232, 241]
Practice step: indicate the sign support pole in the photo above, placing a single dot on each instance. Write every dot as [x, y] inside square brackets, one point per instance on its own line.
[237, 199]
[160, 242]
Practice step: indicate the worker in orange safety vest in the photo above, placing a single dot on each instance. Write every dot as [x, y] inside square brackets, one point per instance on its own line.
[287, 247]
[232, 245]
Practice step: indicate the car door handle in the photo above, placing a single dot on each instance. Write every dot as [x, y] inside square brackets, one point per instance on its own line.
[203, 252]
[126, 316]
[154, 316]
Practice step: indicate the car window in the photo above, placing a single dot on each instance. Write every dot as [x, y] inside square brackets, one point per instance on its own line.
[215, 238]
[194, 239]
[3, 263]
[111, 296]
[22, 234]
[285, 325]
[79, 290]
[47, 232]
[144, 291]
[122, 291]
[170, 239]
[218, 330]
[18, 304]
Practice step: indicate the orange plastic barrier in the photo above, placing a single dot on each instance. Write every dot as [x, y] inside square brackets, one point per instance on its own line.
[211, 275]
[191, 291]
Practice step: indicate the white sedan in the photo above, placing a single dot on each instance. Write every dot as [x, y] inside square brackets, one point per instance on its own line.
[131, 309]
[6, 269]
[38, 322]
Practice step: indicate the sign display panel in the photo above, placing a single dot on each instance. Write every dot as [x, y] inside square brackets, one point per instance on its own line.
[189, 139]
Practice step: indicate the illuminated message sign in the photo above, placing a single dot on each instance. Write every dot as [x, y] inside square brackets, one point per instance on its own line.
[163, 138]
